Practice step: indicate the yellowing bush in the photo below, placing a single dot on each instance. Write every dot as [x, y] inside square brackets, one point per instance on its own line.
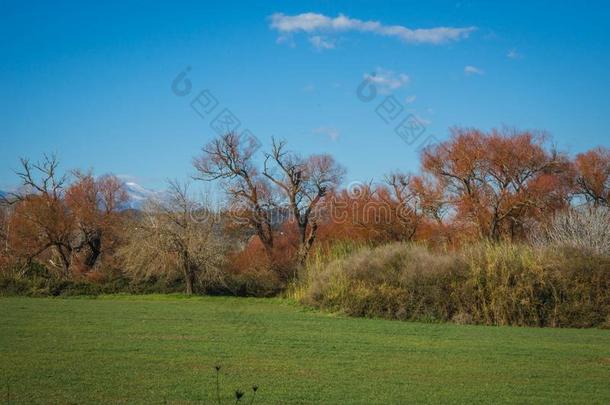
[492, 284]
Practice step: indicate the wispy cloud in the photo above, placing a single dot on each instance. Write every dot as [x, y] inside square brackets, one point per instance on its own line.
[422, 120]
[473, 70]
[410, 99]
[332, 133]
[321, 43]
[513, 54]
[312, 23]
[387, 81]
[285, 40]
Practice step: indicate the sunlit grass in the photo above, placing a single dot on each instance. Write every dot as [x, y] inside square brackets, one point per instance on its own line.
[151, 349]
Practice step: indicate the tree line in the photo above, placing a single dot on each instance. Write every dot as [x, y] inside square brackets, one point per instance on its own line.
[498, 185]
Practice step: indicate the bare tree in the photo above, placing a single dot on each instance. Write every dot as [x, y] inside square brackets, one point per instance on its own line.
[583, 228]
[41, 222]
[303, 182]
[41, 178]
[404, 201]
[175, 236]
[229, 159]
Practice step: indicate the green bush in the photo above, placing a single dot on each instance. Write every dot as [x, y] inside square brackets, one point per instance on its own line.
[262, 283]
[491, 284]
[35, 281]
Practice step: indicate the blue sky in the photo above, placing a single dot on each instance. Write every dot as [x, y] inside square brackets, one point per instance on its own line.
[93, 82]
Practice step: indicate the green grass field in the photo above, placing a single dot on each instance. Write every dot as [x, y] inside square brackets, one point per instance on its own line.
[156, 349]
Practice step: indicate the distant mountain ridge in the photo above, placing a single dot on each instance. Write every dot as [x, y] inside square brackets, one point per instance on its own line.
[138, 195]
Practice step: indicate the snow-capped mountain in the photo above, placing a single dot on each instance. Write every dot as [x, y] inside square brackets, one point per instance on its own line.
[139, 194]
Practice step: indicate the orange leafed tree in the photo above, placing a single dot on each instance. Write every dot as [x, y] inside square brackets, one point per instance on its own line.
[64, 226]
[95, 206]
[593, 176]
[40, 226]
[499, 180]
[380, 213]
[4, 231]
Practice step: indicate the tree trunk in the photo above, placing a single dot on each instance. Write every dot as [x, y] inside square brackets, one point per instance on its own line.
[95, 249]
[306, 242]
[65, 259]
[189, 278]
[265, 234]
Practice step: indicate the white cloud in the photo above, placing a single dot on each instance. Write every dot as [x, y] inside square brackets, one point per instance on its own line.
[422, 120]
[309, 88]
[513, 54]
[472, 70]
[387, 80]
[332, 133]
[410, 99]
[321, 43]
[315, 23]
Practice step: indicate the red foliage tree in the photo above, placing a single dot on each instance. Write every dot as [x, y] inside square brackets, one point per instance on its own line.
[65, 226]
[381, 213]
[593, 176]
[95, 208]
[499, 180]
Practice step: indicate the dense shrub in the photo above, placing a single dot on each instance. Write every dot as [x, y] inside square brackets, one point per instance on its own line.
[251, 272]
[45, 287]
[485, 284]
[393, 281]
[491, 284]
[37, 281]
[243, 275]
[582, 288]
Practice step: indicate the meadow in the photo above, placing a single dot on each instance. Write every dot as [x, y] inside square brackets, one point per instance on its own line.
[163, 349]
